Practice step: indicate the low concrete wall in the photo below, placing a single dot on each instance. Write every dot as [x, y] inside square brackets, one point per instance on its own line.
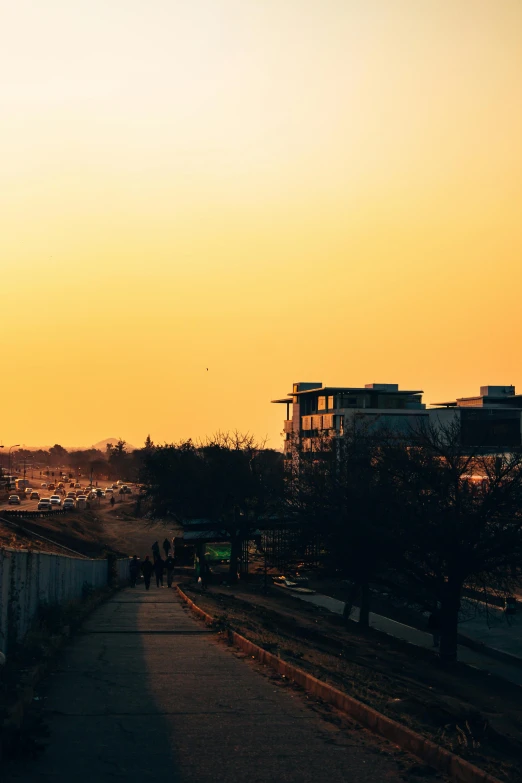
[28, 579]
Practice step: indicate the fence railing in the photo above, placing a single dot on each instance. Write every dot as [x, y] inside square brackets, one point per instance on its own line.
[29, 579]
[33, 514]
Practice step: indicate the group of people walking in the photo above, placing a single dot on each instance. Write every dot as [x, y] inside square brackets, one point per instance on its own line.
[158, 566]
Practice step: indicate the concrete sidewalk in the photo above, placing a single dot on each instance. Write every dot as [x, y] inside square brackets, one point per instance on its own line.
[407, 633]
[145, 692]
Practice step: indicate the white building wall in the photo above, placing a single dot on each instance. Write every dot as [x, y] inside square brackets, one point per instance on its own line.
[28, 579]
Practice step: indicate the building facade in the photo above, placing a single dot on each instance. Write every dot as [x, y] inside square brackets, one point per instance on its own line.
[490, 422]
[314, 411]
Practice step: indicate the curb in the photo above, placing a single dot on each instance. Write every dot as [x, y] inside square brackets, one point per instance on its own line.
[490, 652]
[458, 769]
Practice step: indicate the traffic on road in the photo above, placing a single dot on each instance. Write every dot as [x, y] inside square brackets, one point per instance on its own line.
[65, 494]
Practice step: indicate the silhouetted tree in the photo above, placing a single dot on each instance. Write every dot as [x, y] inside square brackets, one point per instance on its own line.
[461, 520]
[341, 494]
[229, 481]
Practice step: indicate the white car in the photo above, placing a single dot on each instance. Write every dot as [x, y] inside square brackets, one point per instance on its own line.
[28, 491]
[44, 485]
[44, 504]
[68, 503]
[56, 500]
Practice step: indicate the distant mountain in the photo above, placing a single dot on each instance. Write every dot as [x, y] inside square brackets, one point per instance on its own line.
[102, 444]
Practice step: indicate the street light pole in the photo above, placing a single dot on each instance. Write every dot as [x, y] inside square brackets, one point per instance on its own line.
[16, 445]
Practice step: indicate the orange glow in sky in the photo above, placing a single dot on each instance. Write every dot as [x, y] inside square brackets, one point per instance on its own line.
[279, 191]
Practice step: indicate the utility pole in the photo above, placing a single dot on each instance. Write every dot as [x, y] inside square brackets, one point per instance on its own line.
[16, 445]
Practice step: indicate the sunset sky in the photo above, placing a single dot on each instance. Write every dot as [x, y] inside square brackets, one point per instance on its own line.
[278, 190]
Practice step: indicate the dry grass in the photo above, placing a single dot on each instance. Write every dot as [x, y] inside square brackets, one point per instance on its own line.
[468, 712]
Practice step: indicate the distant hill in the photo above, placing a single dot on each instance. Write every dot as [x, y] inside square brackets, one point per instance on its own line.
[102, 444]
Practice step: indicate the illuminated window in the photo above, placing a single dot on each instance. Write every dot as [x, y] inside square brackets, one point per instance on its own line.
[321, 403]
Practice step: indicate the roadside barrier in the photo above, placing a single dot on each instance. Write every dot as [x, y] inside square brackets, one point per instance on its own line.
[30, 579]
[33, 514]
[456, 768]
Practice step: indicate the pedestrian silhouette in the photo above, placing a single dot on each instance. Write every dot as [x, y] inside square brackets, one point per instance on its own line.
[159, 567]
[169, 565]
[134, 570]
[147, 568]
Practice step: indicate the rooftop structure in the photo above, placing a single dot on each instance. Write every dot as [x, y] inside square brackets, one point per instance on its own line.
[489, 397]
[489, 423]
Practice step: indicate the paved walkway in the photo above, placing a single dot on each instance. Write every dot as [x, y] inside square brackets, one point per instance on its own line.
[146, 693]
[419, 638]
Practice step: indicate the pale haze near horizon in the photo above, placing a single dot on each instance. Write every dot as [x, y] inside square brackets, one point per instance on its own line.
[278, 191]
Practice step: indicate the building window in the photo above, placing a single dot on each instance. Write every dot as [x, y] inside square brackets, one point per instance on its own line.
[330, 403]
[321, 403]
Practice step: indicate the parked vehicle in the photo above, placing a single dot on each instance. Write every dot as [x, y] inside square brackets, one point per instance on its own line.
[14, 500]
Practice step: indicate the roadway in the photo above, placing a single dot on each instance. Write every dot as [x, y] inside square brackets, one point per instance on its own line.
[508, 637]
[145, 691]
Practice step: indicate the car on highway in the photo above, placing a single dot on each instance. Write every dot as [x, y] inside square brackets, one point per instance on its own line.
[69, 503]
[71, 495]
[56, 500]
[77, 486]
[34, 495]
[44, 485]
[115, 486]
[109, 491]
[44, 504]
[28, 491]
[14, 500]
[50, 486]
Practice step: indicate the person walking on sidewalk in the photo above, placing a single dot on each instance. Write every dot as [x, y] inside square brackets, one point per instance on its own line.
[169, 565]
[166, 547]
[159, 567]
[434, 626]
[147, 568]
[134, 570]
[155, 550]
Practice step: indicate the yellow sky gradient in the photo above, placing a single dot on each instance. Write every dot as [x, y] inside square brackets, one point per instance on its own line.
[278, 190]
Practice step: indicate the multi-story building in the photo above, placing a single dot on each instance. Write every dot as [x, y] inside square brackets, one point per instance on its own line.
[314, 411]
[490, 422]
